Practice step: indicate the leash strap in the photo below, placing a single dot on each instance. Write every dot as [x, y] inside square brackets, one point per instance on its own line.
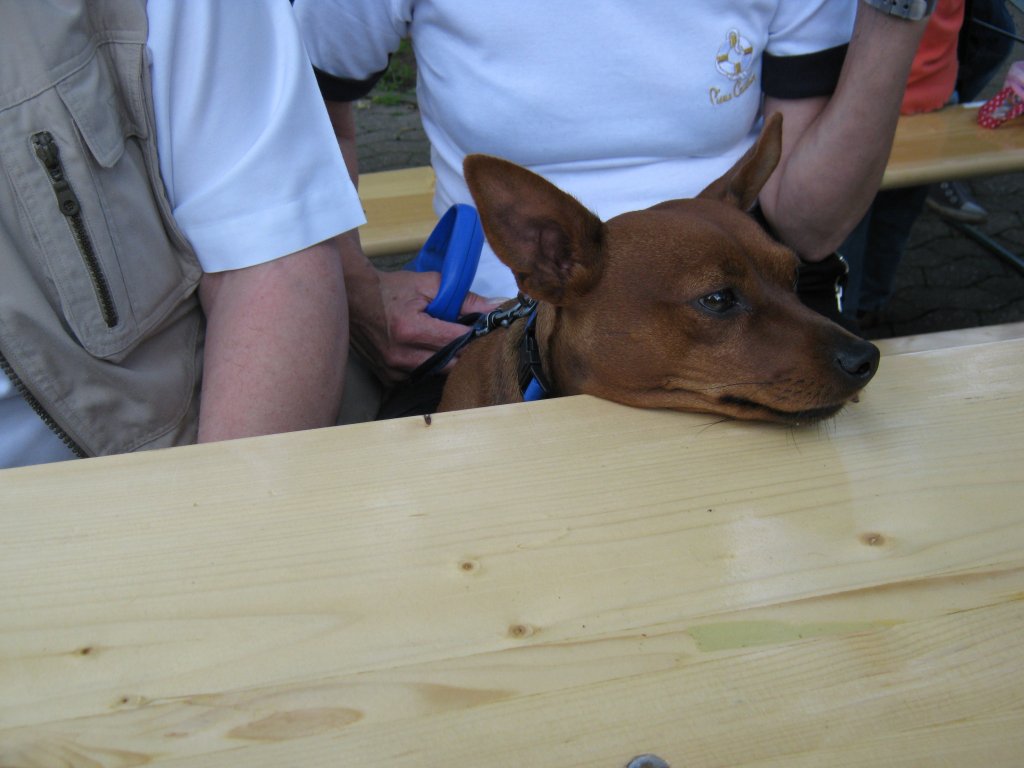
[481, 326]
[532, 382]
[436, 362]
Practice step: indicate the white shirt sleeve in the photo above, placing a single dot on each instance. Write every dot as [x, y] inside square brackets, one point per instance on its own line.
[248, 157]
[801, 26]
[353, 37]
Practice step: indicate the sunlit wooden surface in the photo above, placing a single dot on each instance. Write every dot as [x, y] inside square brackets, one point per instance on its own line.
[937, 146]
[564, 583]
[960, 337]
[949, 144]
[399, 207]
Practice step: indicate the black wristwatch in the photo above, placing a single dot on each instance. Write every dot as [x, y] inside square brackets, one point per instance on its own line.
[911, 10]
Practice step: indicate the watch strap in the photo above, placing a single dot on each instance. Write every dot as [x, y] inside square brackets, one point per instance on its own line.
[912, 10]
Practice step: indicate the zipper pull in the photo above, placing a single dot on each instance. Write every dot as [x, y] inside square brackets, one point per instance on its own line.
[49, 154]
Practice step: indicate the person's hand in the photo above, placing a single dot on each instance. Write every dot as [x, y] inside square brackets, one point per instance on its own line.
[390, 327]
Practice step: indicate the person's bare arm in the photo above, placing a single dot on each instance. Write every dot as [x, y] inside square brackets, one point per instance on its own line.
[343, 121]
[389, 325]
[276, 345]
[835, 150]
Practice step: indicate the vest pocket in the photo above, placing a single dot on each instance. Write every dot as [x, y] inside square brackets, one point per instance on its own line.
[67, 203]
[89, 183]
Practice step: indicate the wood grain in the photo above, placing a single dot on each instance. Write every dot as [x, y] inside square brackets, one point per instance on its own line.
[560, 583]
[949, 144]
[960, 337]
[399, 207]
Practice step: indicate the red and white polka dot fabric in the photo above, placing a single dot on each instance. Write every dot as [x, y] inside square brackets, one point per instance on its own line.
[1008, 103]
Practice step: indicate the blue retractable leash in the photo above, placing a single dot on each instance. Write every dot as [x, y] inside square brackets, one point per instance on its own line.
[453, 249]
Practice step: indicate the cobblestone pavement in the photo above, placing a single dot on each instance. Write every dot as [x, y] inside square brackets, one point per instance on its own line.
[946, 280]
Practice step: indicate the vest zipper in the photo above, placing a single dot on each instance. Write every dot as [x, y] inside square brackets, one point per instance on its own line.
[67, 202]
[35, 405]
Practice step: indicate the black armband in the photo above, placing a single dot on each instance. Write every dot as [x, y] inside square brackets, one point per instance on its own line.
[804, 76]
[334, 88]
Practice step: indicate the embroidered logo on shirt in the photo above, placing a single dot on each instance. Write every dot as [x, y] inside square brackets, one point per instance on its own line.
[734, 60]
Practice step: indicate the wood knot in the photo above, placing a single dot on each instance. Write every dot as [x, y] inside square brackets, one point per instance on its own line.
[469, 566]
[872, 539]
[131, 700]
[520, 631]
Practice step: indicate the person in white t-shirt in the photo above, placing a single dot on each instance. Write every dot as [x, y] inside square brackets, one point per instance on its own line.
[623, 105]
[257, 183]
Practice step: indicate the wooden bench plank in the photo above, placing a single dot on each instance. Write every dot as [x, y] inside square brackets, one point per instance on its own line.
[949, 144]
[399, 210]
[937, 146]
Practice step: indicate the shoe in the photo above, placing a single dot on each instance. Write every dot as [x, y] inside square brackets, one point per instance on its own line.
[953, 200]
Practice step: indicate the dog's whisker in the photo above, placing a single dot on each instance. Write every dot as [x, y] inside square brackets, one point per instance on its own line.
[715, 423]
[726, 385]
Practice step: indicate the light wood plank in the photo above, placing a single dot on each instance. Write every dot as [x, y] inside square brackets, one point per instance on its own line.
[960, 337]
[568, 582]
[949, 144]
[399, 210]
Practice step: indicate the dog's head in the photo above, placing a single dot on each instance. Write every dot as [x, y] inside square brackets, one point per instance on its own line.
[688, 305]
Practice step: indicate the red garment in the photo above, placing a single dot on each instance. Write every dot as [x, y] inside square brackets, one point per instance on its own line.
[933, 73]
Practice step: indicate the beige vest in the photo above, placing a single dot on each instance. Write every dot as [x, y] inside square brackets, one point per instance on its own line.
[100, 326]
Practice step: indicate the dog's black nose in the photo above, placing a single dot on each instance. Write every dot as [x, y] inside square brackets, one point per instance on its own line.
[858, 360]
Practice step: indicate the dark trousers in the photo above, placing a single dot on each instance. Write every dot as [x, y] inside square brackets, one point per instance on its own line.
[874, 249]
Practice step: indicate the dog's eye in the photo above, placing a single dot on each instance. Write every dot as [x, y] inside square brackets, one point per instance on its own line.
[719, 301]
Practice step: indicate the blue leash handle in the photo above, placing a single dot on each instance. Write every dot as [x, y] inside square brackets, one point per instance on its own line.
[453, 249]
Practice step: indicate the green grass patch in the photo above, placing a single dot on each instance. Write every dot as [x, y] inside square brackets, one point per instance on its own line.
[399, 81]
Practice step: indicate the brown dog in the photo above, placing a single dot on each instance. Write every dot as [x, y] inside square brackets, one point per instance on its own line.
[687, 305]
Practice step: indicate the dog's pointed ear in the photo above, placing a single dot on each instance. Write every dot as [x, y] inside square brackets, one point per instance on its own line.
[742, 183]
[549, 240]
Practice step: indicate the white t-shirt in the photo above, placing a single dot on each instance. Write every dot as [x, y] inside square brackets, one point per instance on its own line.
[623, 104]
[248, 157]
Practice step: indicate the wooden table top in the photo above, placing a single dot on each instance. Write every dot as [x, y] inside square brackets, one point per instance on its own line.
[562, 583]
